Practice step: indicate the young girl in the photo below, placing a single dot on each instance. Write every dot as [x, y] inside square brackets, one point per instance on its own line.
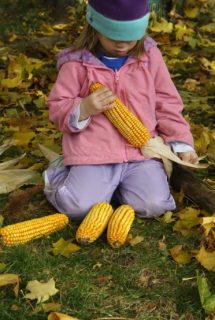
[98, 162]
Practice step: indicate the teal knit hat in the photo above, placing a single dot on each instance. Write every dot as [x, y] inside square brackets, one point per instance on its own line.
[123, 20]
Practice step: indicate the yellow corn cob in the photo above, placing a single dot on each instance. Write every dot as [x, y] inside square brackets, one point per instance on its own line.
[25, 231]
[94, 223]
[119, 225]
[130, 127]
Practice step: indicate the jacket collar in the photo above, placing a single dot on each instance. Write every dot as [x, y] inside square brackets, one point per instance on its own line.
[87, 58]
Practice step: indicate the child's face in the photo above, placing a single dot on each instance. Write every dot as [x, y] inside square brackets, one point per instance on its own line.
[115, 48]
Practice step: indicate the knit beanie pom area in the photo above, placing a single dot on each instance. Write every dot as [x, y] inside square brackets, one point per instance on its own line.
[122, 20]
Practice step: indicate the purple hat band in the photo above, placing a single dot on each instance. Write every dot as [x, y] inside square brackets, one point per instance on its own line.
[121, 10]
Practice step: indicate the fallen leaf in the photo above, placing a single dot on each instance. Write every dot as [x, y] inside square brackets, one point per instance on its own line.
[14, 307]
[161, 245]
[207, 259]
[40, 291]
[180, 255]
[64, 247]
[206, 297]
[167, 217]
[23, 138]
[10, 278]
[188, 219]
[161, 26]
[181, 31]
[12, 83]
[134, 241]
[60, 316]
[191, 12]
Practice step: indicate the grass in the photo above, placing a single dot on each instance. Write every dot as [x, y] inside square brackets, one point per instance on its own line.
[140, 282]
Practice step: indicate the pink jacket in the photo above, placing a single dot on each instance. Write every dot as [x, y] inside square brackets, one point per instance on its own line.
[144, 86]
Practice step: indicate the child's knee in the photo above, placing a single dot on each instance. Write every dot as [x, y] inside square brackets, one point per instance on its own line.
[75, 208]
[67, 202]
[154, 208]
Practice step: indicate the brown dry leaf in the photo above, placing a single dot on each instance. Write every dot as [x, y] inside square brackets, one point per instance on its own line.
[64, 247]
[180, 255]
[207, 259]
[161, 245]
[60, 316]
[19, 201]
[40, 291]
[134, 241]
[10, 278]
[106, 281]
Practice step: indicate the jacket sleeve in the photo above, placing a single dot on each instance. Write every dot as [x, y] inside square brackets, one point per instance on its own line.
[65, 97]
[171, 124]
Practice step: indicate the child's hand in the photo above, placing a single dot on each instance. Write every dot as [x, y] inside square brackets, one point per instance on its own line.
[97, 102]
[189, 156]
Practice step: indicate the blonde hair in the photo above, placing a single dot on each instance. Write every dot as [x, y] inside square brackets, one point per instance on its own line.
[88, 39]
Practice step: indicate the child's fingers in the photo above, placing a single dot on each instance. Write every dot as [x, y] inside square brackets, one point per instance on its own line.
[189, 157]
[102, 93]
[104, 99]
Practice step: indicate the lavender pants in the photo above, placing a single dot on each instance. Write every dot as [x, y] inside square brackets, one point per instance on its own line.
[75, 189]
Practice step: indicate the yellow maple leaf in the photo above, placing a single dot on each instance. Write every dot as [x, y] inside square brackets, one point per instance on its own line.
[191, 12]
[208, 27]
[168, 217]
[181, 30]
[208, 223]
[40, 291]
[161, 26]
[10, 278]
[134, 241]
[207, 259]
[12, 82]
[64, 247]
[188, 219]
[208, 65]
[23, 138]
[180, 255]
